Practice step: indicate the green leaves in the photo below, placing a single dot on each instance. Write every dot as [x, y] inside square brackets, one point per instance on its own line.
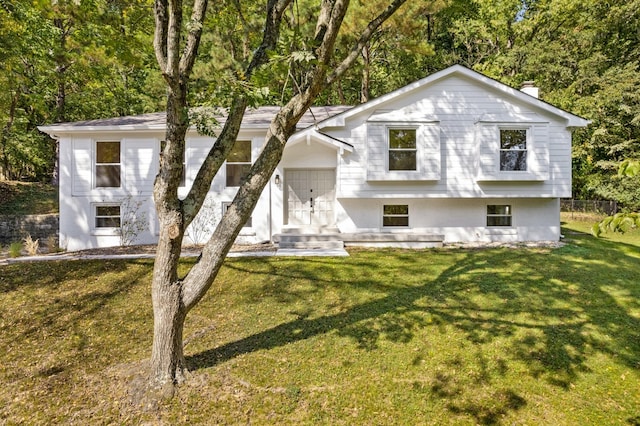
[620, 222]
[629, 168]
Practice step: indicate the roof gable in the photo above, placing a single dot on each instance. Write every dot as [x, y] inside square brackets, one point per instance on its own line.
[481, 80]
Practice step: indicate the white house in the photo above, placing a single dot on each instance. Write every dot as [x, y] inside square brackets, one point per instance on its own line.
[454, 157]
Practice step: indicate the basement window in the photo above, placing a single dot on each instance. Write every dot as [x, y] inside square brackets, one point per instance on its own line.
[108, 216]
[395, 215]
[499, 215]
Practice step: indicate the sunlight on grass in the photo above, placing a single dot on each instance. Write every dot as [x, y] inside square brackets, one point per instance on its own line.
[492, 336]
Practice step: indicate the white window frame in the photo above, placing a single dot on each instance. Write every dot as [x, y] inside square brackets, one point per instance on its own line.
[526, 150]
[104, 230]
[239, 163]
[392, 215]
[225, 207]
[391, 128]
[507, 214]
[97, 164]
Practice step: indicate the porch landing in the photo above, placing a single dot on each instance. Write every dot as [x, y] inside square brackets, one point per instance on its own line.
[332, 239]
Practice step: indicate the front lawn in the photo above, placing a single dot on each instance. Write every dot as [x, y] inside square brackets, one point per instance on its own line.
[447, 336]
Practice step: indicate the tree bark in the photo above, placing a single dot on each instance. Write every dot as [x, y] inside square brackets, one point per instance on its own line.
[366, 75]
[173, 297]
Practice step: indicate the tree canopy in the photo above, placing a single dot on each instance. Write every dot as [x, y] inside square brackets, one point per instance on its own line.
[67, 60]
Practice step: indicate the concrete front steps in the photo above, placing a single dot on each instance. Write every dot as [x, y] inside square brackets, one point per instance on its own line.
[309, 239]
[330, 238]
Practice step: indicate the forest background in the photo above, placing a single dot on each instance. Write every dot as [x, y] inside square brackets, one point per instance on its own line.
[70, 60]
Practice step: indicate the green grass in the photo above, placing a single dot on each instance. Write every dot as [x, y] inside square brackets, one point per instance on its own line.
[486, 336]
[23, 198]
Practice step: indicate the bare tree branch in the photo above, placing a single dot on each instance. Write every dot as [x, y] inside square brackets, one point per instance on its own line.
[174, 30]
[225, 140]
[160, 34]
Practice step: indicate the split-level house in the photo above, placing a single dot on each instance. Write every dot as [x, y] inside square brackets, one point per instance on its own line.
[454, 157]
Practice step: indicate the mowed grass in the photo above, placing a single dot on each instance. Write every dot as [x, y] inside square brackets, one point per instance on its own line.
[460, 336]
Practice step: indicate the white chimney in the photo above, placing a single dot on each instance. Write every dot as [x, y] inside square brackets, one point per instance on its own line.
[529, 88]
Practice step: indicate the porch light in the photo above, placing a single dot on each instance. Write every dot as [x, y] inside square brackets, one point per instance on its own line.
[277, 180]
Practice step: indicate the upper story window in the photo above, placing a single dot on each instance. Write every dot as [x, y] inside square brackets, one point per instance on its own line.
[238, 162]
[513, 150]
[402, 149]
[184, 163]
[498, 215]
[108, 164]
[395, 215]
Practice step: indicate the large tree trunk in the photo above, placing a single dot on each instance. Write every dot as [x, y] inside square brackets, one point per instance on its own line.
[172, 297]
[167, 358]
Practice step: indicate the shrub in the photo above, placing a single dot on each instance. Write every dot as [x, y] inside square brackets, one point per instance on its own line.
[52, 244]
[31, 246]
[15, 249]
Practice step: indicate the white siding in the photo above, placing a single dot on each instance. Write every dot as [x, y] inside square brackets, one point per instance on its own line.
[81, 166]
[459, 220]
[141, 159]
[468, 114]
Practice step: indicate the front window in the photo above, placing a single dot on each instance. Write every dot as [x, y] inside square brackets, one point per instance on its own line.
[238, 162]
[498, 215]
[107, 164]
[402, 149]
[513, 150]
[108, 216]
[395, 215]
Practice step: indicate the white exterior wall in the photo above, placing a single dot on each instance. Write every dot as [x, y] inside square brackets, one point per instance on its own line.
[466, 116]
[302, 155]
[457, 121]
[459, 220]
[139, 166]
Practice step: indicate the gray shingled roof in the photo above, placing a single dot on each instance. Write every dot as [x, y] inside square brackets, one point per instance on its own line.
[255, 118]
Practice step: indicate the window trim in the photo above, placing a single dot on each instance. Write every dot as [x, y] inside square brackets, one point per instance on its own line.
[104, 230]
[527, 141]
[391, 215]
[240, 163]
[508, 214]
[389, 129]
[97, 164]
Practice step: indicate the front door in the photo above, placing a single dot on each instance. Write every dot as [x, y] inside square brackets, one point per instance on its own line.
[310, 197]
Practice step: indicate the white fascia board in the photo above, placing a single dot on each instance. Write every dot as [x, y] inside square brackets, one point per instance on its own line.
[310, 133]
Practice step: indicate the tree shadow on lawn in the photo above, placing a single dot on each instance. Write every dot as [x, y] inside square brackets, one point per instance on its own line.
[61, 296]
[554, 308]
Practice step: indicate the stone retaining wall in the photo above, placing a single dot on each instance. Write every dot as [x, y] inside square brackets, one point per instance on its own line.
[40, 226]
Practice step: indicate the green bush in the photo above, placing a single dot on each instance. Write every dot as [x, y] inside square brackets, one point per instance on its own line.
[15, 249]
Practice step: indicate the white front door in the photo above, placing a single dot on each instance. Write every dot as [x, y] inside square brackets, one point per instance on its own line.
[310, 197]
